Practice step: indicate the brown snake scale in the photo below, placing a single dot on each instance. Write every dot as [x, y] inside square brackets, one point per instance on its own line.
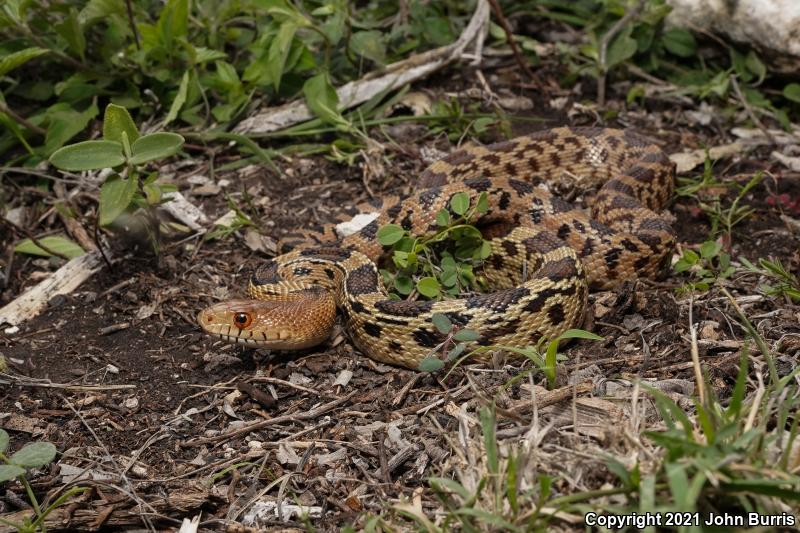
[563, 250]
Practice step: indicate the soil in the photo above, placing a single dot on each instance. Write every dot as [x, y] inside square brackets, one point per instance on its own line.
[207, 427]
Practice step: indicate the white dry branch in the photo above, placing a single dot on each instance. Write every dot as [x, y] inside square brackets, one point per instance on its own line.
[63, 281]
[394, 76]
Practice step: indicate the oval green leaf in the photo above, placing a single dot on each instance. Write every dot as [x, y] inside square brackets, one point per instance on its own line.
[34, 455]
[442, 218]
[57, 244]
[482, 205]
[429, 287]
[88, 155]
[390, 233]
[431, 364]
[116, 195]
[792, 92]
[459, 203]
[442, 323]
[466, 335]
[155, 146]
[9, 472]
[3, 440]
[404, 285]
[116, 119]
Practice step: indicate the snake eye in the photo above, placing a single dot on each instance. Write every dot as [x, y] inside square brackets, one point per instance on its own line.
[242, 320]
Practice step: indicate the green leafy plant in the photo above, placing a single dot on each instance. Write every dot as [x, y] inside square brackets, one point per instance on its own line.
[195, 63]
[706, 267]
[727, 457]
[235, 220]
[32, 455]
[723, 219]
[122, 147]
[442, 263]
[453, 349]
[785, 283]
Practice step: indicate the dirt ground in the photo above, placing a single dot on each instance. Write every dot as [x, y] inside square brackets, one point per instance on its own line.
[164, 422]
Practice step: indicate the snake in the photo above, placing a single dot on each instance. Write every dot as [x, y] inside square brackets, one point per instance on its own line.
[546, 254]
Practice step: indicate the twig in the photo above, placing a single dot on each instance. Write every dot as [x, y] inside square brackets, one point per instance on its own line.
[749, 110]
[33, 239]
[603, 51]
[10, 379]
[520, 59]
[132, 22]
[698, 371]
[322, 409]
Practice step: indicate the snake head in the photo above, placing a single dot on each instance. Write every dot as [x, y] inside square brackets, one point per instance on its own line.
[277, 325]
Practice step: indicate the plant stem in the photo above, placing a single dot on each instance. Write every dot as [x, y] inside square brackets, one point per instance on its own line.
[22, 120]
[603, 49]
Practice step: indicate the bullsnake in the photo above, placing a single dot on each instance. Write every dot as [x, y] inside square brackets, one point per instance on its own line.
[564, 250]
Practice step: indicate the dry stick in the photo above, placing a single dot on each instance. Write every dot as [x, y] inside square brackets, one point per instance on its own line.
[603, 51]
[498, 12]
[749, 110]
[10, 379]
[322, 409]
[698, 371]
[33, 239]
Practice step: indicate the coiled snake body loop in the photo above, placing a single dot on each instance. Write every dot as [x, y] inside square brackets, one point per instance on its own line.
[564, 251]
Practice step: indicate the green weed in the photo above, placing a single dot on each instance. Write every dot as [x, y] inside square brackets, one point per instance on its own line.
[441, 264]
[32, 455]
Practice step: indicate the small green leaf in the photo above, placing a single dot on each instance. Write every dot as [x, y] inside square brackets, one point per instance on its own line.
[457, 350]
[116, 119]
[443, 218]
[449, 278]
[88, 155]
[466, 335]
[116, 195]
[9, 472]
[792, 92]
[482, 206]
[621, 49]
[459, 203]
[55, 243]
[369, 44]
[679, 42]
[279, 51]
[756, 66]
[389, 234]
[431, 364]
[3, 440]
[710, 249]
[404, 285]
[71, 31]
[484, 251]
[155, 146]
[429, 287]
[180, 99]
[16, 59]
[34, 455]
[322, 99]
[442, 323]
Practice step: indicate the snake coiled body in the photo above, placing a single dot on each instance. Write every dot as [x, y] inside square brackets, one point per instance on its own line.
[563, 249]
